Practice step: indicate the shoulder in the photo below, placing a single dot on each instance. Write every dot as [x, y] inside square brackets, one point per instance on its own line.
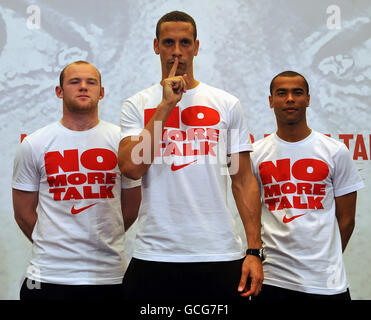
[262, 147]
[147, 93]
[263, 142]
[108, 132]
[216, 92]
[33, 144]
[147, 98]
[331, 145]
[39, 135]
[105, 125]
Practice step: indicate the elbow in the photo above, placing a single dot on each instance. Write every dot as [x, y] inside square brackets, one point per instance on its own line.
[130, 171]
[132, 174]
[130, 166]
[18, 218]
[347, 226]
[129, 222]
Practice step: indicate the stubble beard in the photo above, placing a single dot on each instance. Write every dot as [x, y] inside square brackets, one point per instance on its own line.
[78, 109]
[180, 71]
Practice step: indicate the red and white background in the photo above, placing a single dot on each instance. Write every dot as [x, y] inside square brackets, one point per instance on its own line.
[243, 44]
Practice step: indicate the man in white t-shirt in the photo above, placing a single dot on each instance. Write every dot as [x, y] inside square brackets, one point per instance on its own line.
[67, 195]
[176, 136]
[308, 185]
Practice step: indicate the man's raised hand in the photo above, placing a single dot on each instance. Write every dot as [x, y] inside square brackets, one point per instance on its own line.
[174, 86]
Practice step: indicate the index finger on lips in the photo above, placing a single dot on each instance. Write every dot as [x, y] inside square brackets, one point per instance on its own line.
[173, 68]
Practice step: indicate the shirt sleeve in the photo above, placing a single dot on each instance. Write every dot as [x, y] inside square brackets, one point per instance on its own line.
[254, 164]
[131, 122]
[346, 177]
[26, 176]
[238, 132]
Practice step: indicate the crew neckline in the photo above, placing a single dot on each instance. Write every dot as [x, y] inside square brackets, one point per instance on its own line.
[288, 143]
[79, 131]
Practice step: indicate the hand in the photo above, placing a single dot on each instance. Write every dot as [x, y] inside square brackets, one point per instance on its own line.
[251, 268]
[173, 87]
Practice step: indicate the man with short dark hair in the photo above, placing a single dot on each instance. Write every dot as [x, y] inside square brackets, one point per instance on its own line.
[70, 200]
[176, 136]
[308, 184]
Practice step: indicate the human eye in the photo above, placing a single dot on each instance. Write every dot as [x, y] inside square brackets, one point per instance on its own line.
[281, 93]
[186, 42]
[298, 92]
[167, 42]
[74, 81]
[92, 81]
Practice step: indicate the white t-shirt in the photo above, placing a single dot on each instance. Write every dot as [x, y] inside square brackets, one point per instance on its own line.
[184, 215]
[79, 234]
[300, 232]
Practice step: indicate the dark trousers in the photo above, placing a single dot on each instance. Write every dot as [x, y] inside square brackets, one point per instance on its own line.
[32, 291]
[168, 281]
[272, 293]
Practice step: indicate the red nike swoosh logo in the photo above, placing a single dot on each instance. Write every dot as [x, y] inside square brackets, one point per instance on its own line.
[76, 211]
[175, 167]
[287, 220]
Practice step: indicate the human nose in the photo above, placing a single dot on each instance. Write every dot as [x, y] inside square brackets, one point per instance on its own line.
[83, 86]
[177, 51]
[290, 97]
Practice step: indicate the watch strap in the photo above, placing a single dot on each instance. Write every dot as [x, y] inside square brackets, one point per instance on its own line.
[256, 252]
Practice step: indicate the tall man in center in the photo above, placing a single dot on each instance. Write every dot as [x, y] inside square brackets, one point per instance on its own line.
[179, 136]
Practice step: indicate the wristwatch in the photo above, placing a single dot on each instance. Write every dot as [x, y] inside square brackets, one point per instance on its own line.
[257, 253]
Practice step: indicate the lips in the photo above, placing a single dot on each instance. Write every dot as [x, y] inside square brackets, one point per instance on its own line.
[290, 109]
[180, 63]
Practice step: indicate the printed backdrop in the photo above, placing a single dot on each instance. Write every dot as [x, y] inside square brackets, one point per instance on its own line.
[243, 44]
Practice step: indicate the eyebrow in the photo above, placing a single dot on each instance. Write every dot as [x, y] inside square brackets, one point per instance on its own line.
[77, 78]
[293, 89]
[182, 39]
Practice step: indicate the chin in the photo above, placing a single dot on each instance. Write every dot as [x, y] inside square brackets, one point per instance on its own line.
[81, 109]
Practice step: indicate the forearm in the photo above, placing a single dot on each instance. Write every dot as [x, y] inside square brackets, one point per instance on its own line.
[24, 205]
[130, 203]
[27, 225]
[135, 157]
[136, 154]
[246, 194]
[345, 215]
[248, 204]
[346, 230]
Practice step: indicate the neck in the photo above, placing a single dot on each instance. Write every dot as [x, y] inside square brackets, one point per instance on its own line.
[79, 122]
[193, 84]
[292, 133]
